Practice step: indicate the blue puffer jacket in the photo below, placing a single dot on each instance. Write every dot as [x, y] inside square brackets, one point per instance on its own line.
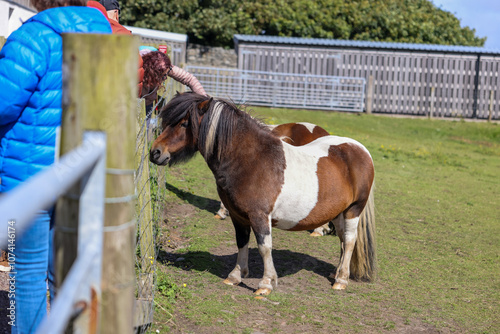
[31, 89]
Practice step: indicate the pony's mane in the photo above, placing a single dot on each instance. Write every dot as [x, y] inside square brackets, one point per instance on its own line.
[217, 128]
[179, 107]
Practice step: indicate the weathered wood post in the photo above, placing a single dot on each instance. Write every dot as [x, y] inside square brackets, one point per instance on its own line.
[490, 109]
[369, 95]
[431, 109]
[99, 93]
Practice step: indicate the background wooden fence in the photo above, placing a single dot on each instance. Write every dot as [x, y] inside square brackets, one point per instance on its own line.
[176, 43]
[405, 81]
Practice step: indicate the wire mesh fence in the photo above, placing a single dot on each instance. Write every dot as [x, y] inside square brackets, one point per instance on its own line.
[150, 190]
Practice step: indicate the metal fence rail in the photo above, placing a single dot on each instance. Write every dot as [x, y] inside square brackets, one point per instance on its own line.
[86, 164]
[283, 89]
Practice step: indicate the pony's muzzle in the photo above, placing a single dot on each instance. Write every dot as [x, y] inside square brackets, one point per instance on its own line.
[156, 157]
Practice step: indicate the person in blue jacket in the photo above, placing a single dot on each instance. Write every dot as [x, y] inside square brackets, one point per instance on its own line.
[30, 113]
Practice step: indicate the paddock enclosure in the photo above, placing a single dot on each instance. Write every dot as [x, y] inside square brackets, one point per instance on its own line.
[407, 79]
[436, 203]
[182, 270]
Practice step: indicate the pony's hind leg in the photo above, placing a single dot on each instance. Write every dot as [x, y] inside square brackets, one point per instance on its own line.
[347, 233]
[322, 230]
[241, 268]
[338, 223]
[222, 213]
[270, 277]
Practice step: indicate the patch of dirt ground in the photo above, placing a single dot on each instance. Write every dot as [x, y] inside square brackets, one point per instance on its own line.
[290, 268]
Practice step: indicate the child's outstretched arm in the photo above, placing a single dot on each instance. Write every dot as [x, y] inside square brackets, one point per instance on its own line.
[187, 79]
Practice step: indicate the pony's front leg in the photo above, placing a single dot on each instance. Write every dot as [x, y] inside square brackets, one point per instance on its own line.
[350, 232]
[241, 268]
[270, 278]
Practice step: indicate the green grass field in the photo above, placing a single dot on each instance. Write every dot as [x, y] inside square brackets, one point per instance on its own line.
[437, 203]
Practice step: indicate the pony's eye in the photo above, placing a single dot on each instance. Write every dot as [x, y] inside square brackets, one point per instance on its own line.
[184, 125]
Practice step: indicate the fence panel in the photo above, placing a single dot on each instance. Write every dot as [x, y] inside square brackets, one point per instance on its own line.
[150, 189]
[90, 102]
[402, 80]
[82, 288]
[283, 89]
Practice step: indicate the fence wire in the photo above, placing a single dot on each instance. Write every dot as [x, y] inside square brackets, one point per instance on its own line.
[150, 191]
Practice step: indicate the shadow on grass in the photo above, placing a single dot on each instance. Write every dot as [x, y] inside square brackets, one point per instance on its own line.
[202, 203]
[286, 263]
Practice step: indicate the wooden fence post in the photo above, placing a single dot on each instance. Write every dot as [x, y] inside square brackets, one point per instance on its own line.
[99, 93]
[369, 95]
[431, 111]
[2, 41]
[490, 109]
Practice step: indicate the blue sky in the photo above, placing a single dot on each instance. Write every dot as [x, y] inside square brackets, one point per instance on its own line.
[482, 15]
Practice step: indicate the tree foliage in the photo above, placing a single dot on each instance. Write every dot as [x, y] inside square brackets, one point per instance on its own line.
[214, 22]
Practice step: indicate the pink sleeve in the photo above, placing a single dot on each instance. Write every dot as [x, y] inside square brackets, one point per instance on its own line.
[187, 79]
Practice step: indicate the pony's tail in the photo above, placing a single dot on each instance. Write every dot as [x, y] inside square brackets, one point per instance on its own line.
[363, 264]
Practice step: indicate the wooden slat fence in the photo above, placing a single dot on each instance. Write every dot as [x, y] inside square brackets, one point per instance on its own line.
[404, 82]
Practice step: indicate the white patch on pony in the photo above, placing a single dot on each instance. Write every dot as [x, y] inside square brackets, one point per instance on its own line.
[343, 140]
[268, 241]
[299, 192]
[351, 229]
[309, 126]
[214, 121]
[265, 250]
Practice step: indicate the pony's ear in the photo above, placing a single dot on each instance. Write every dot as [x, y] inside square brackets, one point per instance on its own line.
[203, 106]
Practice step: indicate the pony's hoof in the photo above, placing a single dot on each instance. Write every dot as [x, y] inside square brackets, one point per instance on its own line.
[219, 217]
[263, 291]
[316, 234]
[339, 286]
[231, 281]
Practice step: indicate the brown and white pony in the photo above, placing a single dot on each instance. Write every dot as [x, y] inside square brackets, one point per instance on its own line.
[265, 182]
[296, 134]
